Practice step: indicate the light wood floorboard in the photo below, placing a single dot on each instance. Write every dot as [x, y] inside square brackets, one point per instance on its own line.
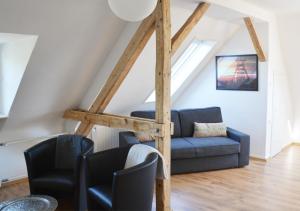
[261, 186]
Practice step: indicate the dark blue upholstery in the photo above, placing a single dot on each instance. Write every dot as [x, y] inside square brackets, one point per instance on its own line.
[244, 141]
[191, 154]
[205, 115]
[151, 115]
[180, 148]
[214, 146]
[180, 166]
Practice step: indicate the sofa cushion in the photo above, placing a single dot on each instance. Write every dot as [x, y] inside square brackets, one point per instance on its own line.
[214, 146]
[180, 148]
[151, 115]
[183, 148]
[205, 115]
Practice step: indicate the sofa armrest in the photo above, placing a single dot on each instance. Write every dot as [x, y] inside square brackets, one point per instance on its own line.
[244, 141]
[127, 139]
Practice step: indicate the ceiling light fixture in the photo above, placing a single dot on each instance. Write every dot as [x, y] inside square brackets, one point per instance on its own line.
[132, 10]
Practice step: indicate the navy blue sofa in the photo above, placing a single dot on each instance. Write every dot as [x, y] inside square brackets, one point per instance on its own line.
[189, 154]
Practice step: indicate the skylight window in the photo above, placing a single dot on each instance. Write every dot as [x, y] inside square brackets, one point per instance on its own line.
[186, 64]
[15, 52]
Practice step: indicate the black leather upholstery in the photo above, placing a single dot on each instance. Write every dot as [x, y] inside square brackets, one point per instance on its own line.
[55, 180]
[110, 187]
[45, 178]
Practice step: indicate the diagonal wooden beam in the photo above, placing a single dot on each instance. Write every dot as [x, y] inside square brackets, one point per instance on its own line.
[188, 26]
[133, 50]
[163, 98]
[117, 121]
[255, 40]
[120, 71]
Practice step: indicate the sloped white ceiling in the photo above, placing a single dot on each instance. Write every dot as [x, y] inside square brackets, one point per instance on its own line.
[140, 81]
[74, 40]
[277, 6]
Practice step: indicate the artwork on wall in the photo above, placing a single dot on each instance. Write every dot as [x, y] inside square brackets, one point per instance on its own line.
[237, 72]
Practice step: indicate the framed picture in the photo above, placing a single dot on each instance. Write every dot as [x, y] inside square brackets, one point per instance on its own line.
[237, 72]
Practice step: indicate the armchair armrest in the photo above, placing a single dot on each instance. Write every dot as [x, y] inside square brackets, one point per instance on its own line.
[244, 141]
[40, 158]
[127, 139]
[100, 167]
[139, 182]
[87, 149]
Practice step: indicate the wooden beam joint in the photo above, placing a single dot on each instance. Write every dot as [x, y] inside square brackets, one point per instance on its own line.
[122, 122]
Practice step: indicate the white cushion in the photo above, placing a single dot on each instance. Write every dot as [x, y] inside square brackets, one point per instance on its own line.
[209, 129]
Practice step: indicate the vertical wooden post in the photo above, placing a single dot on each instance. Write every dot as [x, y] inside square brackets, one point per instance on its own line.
[162, 90]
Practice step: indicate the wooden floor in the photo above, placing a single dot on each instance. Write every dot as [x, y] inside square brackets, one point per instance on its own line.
[273, 186]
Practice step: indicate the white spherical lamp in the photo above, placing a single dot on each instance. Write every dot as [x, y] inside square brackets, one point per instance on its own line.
[132, 10]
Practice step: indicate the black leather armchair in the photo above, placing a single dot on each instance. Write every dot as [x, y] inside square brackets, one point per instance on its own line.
[45, 178]
[110, 187]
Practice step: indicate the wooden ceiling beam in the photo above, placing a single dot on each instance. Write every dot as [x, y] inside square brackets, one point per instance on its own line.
[133, 50]
[254, 39]
[135, 124]
[188, 26]
[120, 71]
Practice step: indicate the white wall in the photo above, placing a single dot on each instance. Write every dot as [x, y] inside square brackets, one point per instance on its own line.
[280, 104]
[290, 44]
[243, 110]
[1, 76]
[12, 162]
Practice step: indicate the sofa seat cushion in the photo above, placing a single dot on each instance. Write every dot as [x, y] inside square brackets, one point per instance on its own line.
[61, 180]
[189, 147]
[214, 146]
[102, 195]
[180, 148]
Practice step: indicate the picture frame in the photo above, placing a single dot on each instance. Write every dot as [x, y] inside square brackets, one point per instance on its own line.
[237, 72]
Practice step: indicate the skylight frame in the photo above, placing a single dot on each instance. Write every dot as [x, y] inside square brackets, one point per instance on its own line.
[193, 56]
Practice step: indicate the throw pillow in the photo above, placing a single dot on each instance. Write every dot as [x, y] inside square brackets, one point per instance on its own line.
[209, 129]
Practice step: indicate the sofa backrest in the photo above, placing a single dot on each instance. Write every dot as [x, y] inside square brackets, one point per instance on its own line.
[204, 115]
[151, 115]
